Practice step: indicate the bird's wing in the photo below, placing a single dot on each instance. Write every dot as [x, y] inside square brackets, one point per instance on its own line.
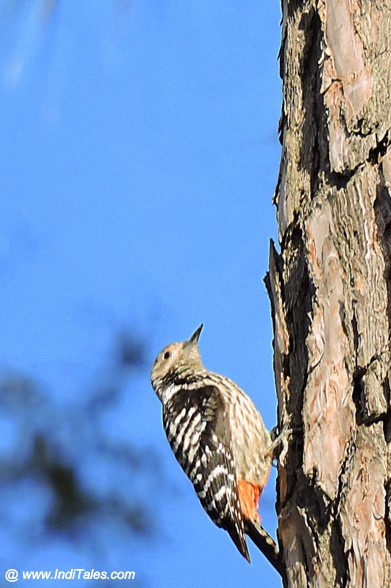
[202, 445]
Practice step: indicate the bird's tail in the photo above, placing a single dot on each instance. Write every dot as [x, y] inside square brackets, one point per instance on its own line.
[239, 538]
[265, 544]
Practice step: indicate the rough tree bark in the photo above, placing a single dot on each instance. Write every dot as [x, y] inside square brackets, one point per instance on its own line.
[330, 289]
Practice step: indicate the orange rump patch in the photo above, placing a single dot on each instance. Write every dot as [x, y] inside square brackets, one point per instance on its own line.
[249, 493]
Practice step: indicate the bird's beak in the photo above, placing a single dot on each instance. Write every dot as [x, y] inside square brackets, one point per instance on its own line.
[195, 336]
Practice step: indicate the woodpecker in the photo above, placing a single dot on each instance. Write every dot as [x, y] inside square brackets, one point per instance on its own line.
[219, 439]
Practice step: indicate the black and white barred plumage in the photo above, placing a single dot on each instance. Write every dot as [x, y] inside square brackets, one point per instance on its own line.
[219, 439]
[197, 430]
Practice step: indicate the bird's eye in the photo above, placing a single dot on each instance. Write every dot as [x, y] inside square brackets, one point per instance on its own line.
[167, 355]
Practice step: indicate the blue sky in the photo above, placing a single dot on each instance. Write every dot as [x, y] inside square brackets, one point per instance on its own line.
[139, 158]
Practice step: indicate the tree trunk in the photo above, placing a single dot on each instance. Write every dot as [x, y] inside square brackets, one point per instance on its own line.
[330, 289]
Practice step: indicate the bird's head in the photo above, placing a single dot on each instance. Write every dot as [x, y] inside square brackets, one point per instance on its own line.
[175, 359]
